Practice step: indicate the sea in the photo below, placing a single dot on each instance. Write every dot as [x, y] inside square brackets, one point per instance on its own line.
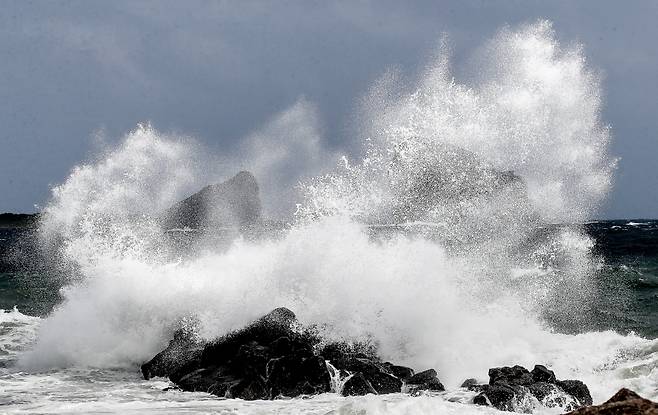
[456, 235]
[617, 347]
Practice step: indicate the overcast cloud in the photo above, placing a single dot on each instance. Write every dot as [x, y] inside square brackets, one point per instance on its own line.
[224, 71]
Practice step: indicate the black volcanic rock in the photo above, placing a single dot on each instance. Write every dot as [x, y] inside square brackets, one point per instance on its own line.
[274, 357]
[182, 350]
[294, 375]
[623, 402]
[372, 370]
[401, 372]
[541, 374]
[425, 380]
[266, 359]
[358, 385]
[516, 375]
[352, 359]
[509, 386]
[234, 203]
[577, 389]
[471, 384]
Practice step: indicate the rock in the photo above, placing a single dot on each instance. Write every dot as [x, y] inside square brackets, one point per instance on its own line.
[248, 389]
[516, 375]
[200, 380]
[266, 359]
[294, 375]
[473, 385]
[623, 402]
[181, 351]
[541, 390]
[577, 389]
[273, 357]
[401, 372]
[234, 203]
[498, 396]
[385, 383]
[425, 380]
[358, 385]
[481, 399]
[541, 374]
[375, 372]
[263, 331]
[251, 360]
[509, 386]
[469, 383]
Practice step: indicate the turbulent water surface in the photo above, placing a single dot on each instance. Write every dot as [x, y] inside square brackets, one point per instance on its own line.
[461, 239]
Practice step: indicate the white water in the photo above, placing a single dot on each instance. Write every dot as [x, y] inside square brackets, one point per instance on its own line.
[464, 294]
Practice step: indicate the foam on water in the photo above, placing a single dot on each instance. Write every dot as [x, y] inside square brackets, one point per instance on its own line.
[472, 285]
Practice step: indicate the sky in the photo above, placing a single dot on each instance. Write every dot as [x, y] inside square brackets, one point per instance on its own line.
[71, 71]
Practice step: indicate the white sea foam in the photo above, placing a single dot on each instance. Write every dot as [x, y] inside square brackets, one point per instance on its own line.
[466, 293]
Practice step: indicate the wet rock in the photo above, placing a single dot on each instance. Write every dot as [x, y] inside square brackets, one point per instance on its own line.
[498, 396]
[473, 385]
[200, 380]
[509, 386]
[541, 374]
[401, 372]
[481, 399]
[248, 389]
[623, 402]
[274, 357]
[425, 380]
[182, 350]
[541, 390]
[296, 375]
[358, 385]
[374, 371]
[577, 389]
[516, 375]
[385, 383]
[266, 359]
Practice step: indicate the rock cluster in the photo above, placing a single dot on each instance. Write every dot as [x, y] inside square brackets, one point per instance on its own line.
[271, 358]
[510, 386]
[274, 357]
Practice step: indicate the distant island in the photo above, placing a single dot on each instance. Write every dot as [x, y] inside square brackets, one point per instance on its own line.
[17, 220]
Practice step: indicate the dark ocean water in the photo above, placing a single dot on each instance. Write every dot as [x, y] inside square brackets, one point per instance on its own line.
[625, 282]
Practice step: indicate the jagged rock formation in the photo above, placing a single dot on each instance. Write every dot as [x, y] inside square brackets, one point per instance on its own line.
[508, 386]
[274, 357]
[624, 402]
[234, 203]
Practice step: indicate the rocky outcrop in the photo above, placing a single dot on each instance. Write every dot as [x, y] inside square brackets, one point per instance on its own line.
[234, 203]
[264, 360]
[425, 380]
[274, 357]
[623, 402]
[509, 387]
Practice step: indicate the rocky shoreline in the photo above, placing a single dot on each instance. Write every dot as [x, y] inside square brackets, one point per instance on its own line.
[275, 357]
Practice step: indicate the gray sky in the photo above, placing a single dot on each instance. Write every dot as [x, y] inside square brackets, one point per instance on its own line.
[220, 70]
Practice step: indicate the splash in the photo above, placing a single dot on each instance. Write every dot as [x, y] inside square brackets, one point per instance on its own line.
[437, 246]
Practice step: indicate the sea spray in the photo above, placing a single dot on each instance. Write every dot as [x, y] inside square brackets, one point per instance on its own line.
[474, 174]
